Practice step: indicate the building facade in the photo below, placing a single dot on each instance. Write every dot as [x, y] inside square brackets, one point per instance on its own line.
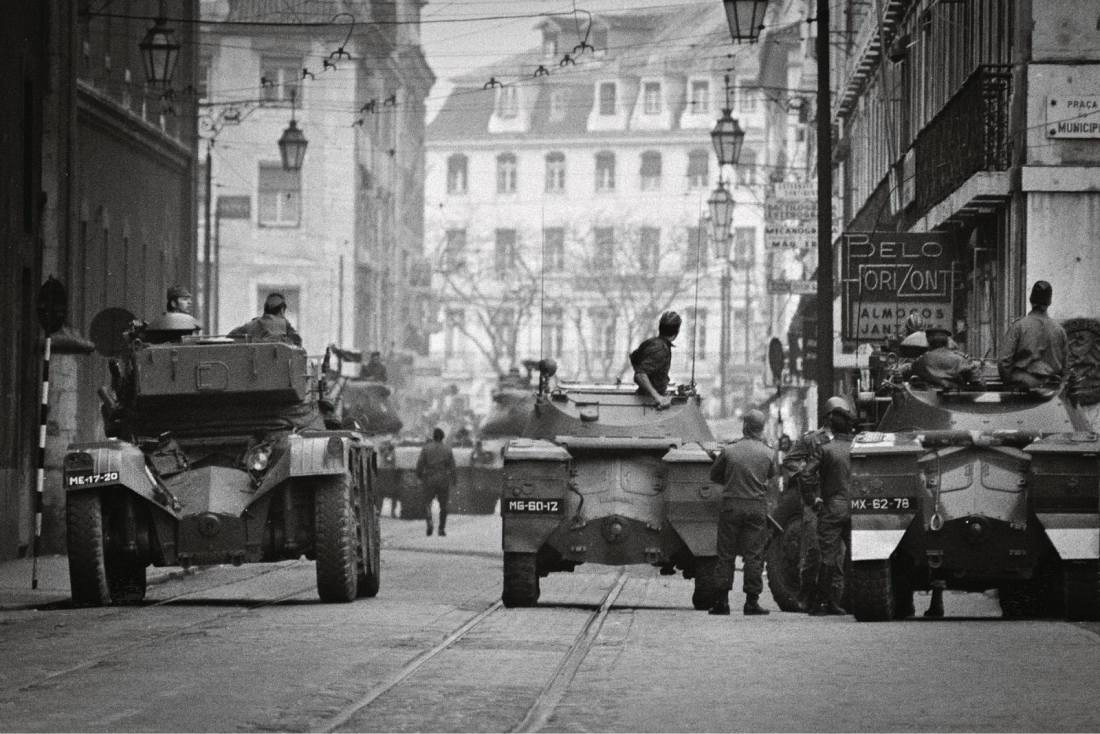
[342, 238]
[566, 206]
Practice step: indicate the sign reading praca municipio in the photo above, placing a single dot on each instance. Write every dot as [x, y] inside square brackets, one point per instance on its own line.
[886, 276]
[1073, 117]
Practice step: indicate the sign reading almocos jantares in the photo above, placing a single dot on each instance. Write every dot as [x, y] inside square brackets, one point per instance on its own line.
[886, 276]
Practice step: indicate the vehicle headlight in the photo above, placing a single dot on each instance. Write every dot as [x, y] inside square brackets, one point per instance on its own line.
[258, 458]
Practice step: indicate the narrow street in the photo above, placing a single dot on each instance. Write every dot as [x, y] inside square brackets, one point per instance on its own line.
[251, 649]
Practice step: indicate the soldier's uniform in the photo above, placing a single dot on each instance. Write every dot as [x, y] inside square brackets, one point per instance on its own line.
[809, 554]
[268, 326]
[436, 471]
[654, 359]
[1036, 350]
[944, 367]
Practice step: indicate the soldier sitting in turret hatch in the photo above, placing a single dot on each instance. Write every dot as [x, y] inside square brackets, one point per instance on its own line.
[941, 366]
[273, 324]
[171, 326]
[653, 358]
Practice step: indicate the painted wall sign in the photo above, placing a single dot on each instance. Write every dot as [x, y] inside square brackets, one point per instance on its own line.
[1073, 117]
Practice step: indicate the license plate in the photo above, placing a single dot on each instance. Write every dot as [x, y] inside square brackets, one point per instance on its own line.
[87, 479]
[884, 504]
[534, 507]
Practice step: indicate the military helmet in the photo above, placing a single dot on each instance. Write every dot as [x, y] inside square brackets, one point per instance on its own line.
[837, 404]
[914, 323]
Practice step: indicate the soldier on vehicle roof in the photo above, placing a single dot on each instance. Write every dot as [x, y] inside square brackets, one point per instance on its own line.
[1036, 348]
[653, 358]
[375, 370]
[942, 366]
[273, 323]
[179, 300]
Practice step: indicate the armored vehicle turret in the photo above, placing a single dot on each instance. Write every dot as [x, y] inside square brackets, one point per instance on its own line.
[600, 475]
[218, 452]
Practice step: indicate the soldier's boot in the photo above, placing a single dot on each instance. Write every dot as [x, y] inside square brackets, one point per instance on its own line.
[935, 608]
[820, 606]
[721, 604]
[430, 528]
[442, 531]
[752, 606]
[833, 592]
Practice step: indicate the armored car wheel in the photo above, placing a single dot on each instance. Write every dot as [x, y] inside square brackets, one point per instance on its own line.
[334, 537]
[99, 571]
[369, 576]
[521, 580]
[783, 558]
[1082, 590]
[706, 589]
[872, 591]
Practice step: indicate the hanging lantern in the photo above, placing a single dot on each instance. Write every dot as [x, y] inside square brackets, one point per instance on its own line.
[745, 18]
[159, 52]
[728, 139]
[720, 206]
[292, 147]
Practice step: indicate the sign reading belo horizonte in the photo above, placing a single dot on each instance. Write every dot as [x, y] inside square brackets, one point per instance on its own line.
[886, 276]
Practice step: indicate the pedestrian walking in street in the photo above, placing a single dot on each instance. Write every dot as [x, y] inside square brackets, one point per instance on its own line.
[820, 468]
[436, 471]
[744, 469]
[1036, 348]
[653, 359]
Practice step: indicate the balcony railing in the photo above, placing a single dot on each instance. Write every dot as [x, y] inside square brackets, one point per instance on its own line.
[969, 135]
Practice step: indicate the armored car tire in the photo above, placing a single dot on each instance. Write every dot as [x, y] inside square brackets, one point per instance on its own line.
[706, 587]
[336, 540]
[369, 575]
[521, 580]
[872, 591]
[99, 572]
[783, 556]
[1082, 590]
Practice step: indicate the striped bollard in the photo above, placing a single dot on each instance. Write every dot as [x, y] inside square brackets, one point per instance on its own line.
[44, 412]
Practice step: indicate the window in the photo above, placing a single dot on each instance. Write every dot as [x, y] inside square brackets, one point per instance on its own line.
[454, 251]
[603, 330]
[698, 332]
[505, 259]
[604, 256]
[507, 102]
[455, 322]
[291, 294]
[649, 248]
[746, 95]
[744, 247]
[608, 91]
[202, 77]
[745, 170]
[279, 79]
[559, 101]
[456, 174]
[651, 170]
[553, 332]
[280, 196]
[506, 173]
[695, 252]
[699, 98]
[651, 98]
[553, 244]
[502, 321]
[605, 171]
[698, 173]
[599, 39]
[550, 44]
[555, 173]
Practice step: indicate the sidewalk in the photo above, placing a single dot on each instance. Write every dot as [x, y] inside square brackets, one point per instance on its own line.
[53, 581]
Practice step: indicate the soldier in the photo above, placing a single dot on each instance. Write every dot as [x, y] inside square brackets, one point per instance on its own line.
[1036, 348]
[179, 300]
[273, 323]
[820, 468]
[942, 366]
[653, 358]
[436, 471]
[744, 469]
[375, 370]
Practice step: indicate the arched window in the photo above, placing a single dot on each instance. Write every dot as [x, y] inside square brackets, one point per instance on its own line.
[506, 173]
[605, 171]
[555, 173]
[456, 174]
[651, 170]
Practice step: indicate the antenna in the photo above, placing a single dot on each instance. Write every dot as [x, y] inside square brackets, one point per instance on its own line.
[542, 287]
[695, 311]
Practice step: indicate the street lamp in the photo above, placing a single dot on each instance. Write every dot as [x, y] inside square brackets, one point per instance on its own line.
[159, 53]
[720, 206]
[292, 145]
[745, 18]
[728, 139]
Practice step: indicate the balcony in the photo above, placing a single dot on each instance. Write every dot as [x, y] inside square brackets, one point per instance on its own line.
[968, 136]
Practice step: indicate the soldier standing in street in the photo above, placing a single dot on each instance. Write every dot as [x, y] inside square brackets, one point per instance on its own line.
[1036, 348]
[744, 469]
[819, 467]
[653, 359]
[437, 474]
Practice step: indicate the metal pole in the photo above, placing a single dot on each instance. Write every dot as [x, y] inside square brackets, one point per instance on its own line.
[748, 315]
[40, 475]
[216, 300]
[206, 249]
[824, 211]
[724, 346]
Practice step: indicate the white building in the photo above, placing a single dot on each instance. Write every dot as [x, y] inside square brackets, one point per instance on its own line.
[564, 195]
[342, 238]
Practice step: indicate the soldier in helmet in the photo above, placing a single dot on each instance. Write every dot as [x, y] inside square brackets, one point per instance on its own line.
[820, 468]
[272, 324]
[179, 300]
[1036, 348]
[175, 323]
[653, 358]
[942, 366]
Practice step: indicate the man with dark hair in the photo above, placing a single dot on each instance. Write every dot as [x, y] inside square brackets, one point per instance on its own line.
[375, 370]
[820, 469]
[273, 323]
[744, 469]
[942, 366]
[1036, 348]
[653, 358]
[436, 471]
[179, 300]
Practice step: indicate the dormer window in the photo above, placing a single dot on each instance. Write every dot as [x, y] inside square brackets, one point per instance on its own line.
[507, 102]
[651, 94]
[559, 99]
[608, 95]
[550, 44]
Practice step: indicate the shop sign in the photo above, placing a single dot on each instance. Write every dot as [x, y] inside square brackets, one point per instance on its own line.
[792, 287]
[886, 276]
[790, 237]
